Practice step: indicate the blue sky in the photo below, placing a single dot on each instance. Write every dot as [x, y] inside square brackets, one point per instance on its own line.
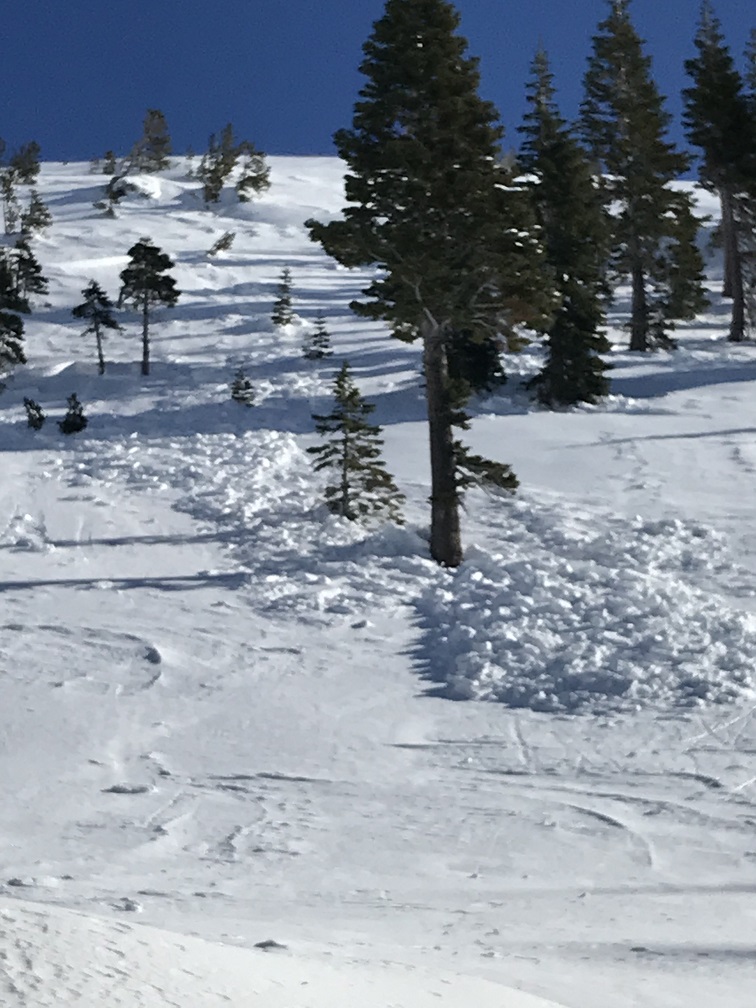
[79, 74]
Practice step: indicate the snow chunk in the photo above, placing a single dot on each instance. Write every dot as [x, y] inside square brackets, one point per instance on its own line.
[586, 615]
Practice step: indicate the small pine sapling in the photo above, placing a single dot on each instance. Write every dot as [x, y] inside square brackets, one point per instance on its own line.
[97, 309]
[363, 488]
[74, 421]
[223, 244]
[35, 416]
[11, 208]
[37, 216]
[109, 163]
[283, 311]
[242, 390]
[255, 174]
[11, 340]
[25, 162]
[317, 345]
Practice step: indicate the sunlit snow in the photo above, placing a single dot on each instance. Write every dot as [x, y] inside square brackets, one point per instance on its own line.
[227, 714]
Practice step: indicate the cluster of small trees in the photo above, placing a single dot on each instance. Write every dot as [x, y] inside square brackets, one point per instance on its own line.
[226, 156]
[72, 422]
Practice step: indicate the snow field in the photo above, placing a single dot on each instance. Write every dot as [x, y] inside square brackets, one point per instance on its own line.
[225, 713]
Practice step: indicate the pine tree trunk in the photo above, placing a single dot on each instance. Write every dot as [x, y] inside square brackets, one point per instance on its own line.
[345, 502]
[446, 541]
[145, 339]
[733, 269]
[100, 357]
[727, 228]
[639, 316]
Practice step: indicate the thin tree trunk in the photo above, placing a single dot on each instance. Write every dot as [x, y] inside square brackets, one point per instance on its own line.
[446, 541]
[345, 503]
[733, 268]
[639, 316]
[145, 339]
[726, 227]
[100, 357]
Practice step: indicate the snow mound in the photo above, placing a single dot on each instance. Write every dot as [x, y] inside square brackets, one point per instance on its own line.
[582, 614]
[25, 532]
[56, 957]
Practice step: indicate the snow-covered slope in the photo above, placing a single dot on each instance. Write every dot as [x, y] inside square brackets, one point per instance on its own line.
[230, 713]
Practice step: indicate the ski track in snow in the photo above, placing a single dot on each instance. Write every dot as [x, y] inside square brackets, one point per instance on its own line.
[226, 712]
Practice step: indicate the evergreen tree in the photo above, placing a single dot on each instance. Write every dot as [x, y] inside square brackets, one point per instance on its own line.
[109, 163]
[97, 310]
[242, 389]
[222, 244]
[35, 416]
[12, 297]
[154, 147]
[74, 421]
[432, 206]
[145, 283]
[625, 125]
[362, 487]
[11, 340]
[283, 311]
[11, 208]
[575, 233]
[220, 160]
[317, 344]
[719, 122]
[37, 216]
[475, 364]
[255, 175]
[25, 163]
[28, 273]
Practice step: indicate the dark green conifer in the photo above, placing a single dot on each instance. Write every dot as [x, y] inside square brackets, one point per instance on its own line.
[35, 415]
[145, 284]
[283, 310]
[154, 147]
[37, 216]
[12, 297]
[317, 344]
[97, 310]
[625, 124]
[721, 125]
[242, 389]
[362, 487]
[74, 421]
[109, 163]
[30, 279]
[254, 177]
[432, 206]
[25, 162]
[476, 362]
[9, 197]
[575, 233]
[11, 340]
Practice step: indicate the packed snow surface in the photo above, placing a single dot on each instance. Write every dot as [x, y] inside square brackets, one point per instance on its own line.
[227, 716]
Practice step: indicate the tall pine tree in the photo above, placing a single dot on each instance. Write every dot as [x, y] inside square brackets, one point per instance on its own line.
[431, 207]
[719, 123]
[352, 450]
[624, 124]
[575, 232]
[145, 283]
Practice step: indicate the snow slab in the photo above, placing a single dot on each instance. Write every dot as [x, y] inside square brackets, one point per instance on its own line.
[50, 956]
